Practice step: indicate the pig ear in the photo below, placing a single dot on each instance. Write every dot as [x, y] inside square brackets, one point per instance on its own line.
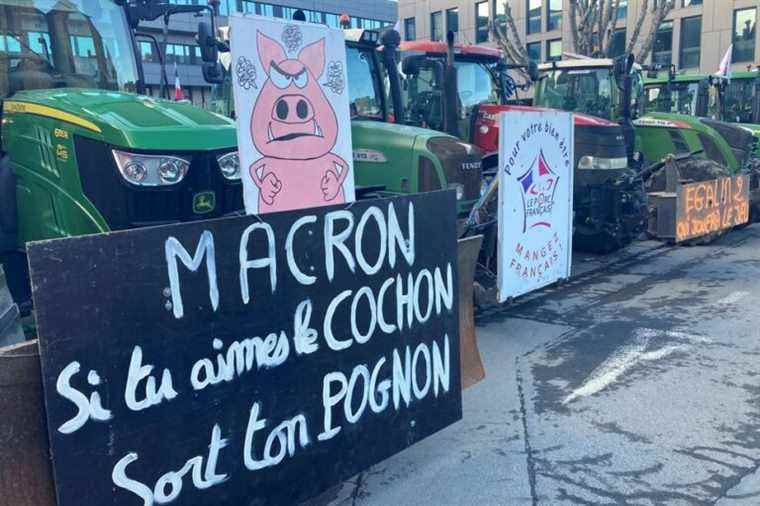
[269, 51]
[313, 56]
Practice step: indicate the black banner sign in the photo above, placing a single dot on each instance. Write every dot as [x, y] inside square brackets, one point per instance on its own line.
[251, 360]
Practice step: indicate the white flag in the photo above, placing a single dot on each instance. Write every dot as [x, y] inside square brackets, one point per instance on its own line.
[725, 65]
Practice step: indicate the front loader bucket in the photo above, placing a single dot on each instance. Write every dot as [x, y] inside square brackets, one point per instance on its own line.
[27, 478]
[10, 324]
[467, 258]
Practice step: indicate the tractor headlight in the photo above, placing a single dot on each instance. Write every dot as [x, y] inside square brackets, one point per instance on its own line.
[459, 189]
[151, 170]
[229, 164]
[596, 162]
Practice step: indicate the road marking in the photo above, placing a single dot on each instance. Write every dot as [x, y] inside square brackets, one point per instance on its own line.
[610, 371]
[732, 298]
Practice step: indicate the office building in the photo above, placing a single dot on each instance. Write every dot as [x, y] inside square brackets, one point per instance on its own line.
[694, 37]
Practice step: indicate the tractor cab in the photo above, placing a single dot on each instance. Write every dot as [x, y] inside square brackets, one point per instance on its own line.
[82, 151]
[479, 72]
[485, 88]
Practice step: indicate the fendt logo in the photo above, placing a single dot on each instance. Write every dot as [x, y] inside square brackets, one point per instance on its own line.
[538, 185]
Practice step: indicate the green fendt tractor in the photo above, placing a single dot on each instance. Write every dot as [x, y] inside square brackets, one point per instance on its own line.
[703, 149]
[389, 158]
[710, 97]
[82, 150]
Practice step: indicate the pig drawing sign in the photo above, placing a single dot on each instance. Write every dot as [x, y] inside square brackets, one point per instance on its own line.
[535, 200]
[294, 129]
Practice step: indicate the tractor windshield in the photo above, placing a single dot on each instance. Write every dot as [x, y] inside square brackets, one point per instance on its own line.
[475, 86]
[591, 91]
[737, 98]
[64, 43]
[364, 84]
[682, 99]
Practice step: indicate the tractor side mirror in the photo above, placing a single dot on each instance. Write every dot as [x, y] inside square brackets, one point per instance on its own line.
[533, 71]
[213, 72]
[207, 43]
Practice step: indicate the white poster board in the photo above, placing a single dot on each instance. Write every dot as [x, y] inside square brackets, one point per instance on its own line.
[535, 200]
[293, 119]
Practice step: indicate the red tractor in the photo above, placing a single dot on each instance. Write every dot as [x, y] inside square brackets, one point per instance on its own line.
[461, 89]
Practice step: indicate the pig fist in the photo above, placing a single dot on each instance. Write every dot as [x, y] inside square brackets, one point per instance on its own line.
[270, 187]
[331, 185]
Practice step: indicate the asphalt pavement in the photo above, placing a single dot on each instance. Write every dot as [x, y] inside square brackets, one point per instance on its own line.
[635, 383]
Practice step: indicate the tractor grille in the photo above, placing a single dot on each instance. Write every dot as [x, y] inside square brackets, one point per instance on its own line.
[462, 163]
[125, 206]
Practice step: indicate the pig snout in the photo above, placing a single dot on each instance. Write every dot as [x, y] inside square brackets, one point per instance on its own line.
[293, 109]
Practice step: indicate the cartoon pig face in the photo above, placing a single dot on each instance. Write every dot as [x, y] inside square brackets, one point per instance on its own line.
[292, 118]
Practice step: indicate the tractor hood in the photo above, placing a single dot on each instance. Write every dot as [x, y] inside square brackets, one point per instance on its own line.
[486, 133]
[129, 120]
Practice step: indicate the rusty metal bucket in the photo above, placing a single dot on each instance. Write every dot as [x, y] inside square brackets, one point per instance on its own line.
[25, 473]
[467, 258]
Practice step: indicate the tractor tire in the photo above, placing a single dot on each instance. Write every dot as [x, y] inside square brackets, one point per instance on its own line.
[754, 186]
[13, 261]
[8, 213]
[693, 170]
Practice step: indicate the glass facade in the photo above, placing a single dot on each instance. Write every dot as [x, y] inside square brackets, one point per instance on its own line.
[410, 29]
[554, 50]
[617, 43]
[662, 51]
[745, 24]
[554, 21]
[533, 8]
[278, 11]
[534, 51]
[436, 25]
[500, 14]
[452, 20]
[691, 46]
[689, 3]
[183, 54]
[622, 9]
[481, 23]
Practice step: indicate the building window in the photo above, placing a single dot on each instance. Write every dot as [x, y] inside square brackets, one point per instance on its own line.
[745, 21]
[146, 51]
[554, 50]
[436, 25]
[617, 43]
[332, 20]
[452, 20]
[662, 52]
[689, 3]
[410, 29]
[534, 51]
[554, 21]
[534, 16]
[481, 22]
[500, 14]
[691, 35]
[622, 12]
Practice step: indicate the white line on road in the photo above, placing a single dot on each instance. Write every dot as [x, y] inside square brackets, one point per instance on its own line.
[732, 298]
[628, 356]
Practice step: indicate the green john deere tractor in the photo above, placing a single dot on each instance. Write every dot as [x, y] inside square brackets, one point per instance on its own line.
[82, 151]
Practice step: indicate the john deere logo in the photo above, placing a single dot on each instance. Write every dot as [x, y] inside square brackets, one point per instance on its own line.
[204, 202]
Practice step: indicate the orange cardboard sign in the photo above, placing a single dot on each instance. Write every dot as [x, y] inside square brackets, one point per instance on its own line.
[711, 206]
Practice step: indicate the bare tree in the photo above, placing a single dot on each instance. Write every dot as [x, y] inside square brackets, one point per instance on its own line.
[510, 43]
[592, 24]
